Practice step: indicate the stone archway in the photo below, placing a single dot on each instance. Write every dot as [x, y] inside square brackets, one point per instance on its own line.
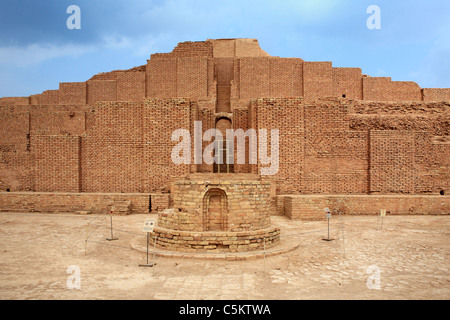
[215, 210]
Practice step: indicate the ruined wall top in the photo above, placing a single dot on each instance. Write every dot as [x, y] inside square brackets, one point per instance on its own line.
[217, 48]
[236, 48]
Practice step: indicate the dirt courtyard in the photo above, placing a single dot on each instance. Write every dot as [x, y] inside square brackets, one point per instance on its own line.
[46, 257]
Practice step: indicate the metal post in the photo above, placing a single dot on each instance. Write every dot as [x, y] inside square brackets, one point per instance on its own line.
[328, 218]
[154, 254]
[147, 264]
[147, 246]
[86, 240]
[264, 254]
[381, 216]
[328, 229]
[112, 237]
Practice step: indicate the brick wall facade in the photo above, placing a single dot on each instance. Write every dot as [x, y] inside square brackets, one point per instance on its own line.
[73, 93]
[91, 203]
[57, 163]
[287, 116]
[392, 162]
[328, 147]
[112, 149]
[312, 207]
[383, 89]
[341, 132]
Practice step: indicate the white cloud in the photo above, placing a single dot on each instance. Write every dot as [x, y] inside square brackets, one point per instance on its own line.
[36, 53]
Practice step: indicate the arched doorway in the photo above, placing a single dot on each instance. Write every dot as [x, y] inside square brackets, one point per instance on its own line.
[215, 210]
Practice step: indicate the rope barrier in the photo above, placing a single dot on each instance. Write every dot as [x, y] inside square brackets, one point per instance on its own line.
[124, 231]
[95, 218]
[274, 250]
[206, 253]
[341, 226]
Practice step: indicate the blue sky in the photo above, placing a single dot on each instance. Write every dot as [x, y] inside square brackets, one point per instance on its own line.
[37, 50]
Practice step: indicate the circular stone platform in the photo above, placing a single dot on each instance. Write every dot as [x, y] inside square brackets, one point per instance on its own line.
[283, 246]
[194, 241]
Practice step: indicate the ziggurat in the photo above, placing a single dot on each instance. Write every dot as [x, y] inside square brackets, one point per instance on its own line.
[348, 141]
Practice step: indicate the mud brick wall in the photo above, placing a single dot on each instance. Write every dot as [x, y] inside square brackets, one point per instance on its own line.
[392, 162]
[311, 207]
[57, 163]
[383, 89]
[286, 77]
[161, 118]
[268, 77]
[113, 149]
[375, 108]
[57, 120]
[317, 80]
[241, 121]
[254, 77]
[347, 83]
[424, 125]
[19, 126]
[286, 115]
[93, 203]
[336, 158]
[73, 93]
[436, 94]
[49, 97]
[14, 101]
[162, 78]
[189, 49]
[207, 118]
[432, 163]
[127, 147]
[101, 90]
[131, 86]
[16, 170]
[179, 77]
[14, 130]
[192, 78]
[159, 202]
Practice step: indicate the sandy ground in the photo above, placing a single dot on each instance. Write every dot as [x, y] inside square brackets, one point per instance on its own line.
[43, 256]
